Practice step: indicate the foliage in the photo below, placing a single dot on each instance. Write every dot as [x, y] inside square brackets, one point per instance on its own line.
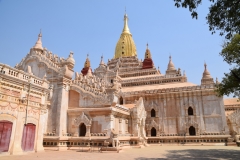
[224, 15]
[231, 54]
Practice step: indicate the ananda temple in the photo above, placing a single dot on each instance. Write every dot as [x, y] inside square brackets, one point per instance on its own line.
[125, 101]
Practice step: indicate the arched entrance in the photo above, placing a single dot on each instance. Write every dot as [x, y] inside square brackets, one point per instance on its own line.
[5, 135]
[192, 131]
[153, 132]
[82, 130]
[28, 137]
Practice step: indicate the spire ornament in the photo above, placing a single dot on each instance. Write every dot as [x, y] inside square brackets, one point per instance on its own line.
[87, 62]
[170, 64]
[38, 44]
[147, 63]
[206, 78]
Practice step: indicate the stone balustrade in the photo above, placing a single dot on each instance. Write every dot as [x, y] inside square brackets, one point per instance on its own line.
[23, 76]
[98, 134]
[67, 134]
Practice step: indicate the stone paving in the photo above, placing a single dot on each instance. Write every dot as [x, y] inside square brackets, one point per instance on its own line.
[148, 153]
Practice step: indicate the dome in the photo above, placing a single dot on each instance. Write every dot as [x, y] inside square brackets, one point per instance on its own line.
[125, 46]
[70, 59]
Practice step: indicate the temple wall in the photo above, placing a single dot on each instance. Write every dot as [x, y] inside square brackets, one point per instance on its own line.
[99, 124]
[73, 99]
[172, 113]
[22, 104]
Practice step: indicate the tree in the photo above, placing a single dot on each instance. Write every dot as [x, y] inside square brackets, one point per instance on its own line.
[231, 54]
[224, 15]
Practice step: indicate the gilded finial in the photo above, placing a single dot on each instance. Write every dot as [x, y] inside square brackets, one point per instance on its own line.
[125, 28]
[87, 62]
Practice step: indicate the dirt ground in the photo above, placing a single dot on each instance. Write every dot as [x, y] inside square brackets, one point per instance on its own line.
[148, 153]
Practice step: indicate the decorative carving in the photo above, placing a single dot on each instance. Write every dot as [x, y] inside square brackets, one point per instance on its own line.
[82, 119]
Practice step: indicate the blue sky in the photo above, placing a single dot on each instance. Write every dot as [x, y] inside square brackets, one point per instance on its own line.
[94, 27]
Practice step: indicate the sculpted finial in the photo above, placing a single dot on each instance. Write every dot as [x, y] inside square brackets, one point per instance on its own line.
[38, 44]
[40, 34]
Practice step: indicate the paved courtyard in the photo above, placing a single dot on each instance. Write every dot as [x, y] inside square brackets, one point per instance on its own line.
[148, 153]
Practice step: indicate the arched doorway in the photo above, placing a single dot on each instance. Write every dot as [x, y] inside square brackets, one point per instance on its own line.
[192, 131]
[82, 130]
[153, 132]
[5, 135]
[153, 113]
[121, 100]
[190, 111]
[28, 137]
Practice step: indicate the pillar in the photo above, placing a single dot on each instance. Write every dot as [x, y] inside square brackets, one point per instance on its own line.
[88, 131]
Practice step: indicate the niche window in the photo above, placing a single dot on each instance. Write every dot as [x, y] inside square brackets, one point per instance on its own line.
[190, 111]
[153, 113]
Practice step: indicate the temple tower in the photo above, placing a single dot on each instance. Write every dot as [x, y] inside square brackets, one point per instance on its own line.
[125, 46]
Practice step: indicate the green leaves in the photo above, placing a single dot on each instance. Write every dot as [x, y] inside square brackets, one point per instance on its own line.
[231, 54]
[231, 50]
[230, 83]
[223, 16]
[190, 4]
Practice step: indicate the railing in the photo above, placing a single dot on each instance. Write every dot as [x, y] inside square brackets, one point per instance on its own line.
[21, 75]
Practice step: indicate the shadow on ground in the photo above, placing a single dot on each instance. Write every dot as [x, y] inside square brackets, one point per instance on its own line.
[198, 154]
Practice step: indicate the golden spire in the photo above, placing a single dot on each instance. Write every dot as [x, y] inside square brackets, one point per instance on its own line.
[125, 46]
[148, 53]
[87, 62]
[125, 28]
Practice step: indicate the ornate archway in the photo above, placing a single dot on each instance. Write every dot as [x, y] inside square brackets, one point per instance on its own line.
[83, 124]
[152, 125]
